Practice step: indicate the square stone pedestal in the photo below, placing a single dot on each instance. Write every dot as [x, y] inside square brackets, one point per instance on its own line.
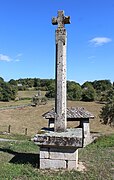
[58, 158]
[59, 150]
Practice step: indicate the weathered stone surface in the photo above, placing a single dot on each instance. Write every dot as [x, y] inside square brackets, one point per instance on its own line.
[64, 153]
[72, 165]
[60, 100]
[61, 20]
[57, 158]
[70, 138]
[52, 164]
[86, 131]
[74, 113]
[44, 153]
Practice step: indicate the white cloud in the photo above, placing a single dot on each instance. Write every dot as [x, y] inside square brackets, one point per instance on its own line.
[17, 60]
[91, 57]
[4, 57]
[19, 55]
[99, 41]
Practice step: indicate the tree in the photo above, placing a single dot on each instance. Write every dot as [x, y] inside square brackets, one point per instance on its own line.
[74, 91]
[7, 92]
[36, 82]
[51, 90]
[101, 87]
[107, 112]
[1, 80]
[88, 92]
[13, 82]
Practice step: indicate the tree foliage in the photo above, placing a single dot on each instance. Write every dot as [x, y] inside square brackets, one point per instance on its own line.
[74, 91]
[51, 89]
[88, 92]
[107, 112]
[101, 87]
[7, 91]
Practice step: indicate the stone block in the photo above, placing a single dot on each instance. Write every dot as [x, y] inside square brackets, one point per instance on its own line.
[44, 153]
[72, 165]
[52, 164]
[63, 153]
[69, 138]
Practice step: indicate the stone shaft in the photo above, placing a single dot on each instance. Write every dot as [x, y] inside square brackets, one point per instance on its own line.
[60, 102]
[60, 99]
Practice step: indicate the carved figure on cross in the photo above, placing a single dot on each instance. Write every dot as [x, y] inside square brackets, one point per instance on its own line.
[61, 20]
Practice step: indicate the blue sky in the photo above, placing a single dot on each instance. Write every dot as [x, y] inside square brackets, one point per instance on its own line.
[27, 39]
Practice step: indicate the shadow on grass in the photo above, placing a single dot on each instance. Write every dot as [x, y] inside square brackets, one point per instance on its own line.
[23, 158]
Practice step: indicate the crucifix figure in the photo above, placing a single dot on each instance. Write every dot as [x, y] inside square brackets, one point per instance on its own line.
[60, 122]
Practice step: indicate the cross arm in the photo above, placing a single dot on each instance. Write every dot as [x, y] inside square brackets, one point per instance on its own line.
[67, 20]
[54, 21]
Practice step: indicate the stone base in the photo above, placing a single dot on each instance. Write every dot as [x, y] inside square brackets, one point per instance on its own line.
[71, 138]
[58, 158]
[59, 150]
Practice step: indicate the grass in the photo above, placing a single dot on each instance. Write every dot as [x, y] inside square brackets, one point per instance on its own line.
[15, 103]
[31, 117]
[29, 94]
[19, 161]
[14, 136]
[26, 97]
[22, 118]
[99, 157]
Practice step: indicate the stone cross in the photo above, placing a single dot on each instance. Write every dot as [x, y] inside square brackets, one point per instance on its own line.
[60, 99]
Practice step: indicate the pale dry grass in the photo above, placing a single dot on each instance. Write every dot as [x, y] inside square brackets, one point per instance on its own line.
[14, 103]
[31, 118]
[21, 118]
[29, 94]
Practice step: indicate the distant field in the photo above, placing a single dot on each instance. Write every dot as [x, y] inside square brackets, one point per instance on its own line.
[29, 94]
[22, 94]
[31, 117]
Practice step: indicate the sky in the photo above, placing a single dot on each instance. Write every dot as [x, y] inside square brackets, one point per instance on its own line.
[27, 39]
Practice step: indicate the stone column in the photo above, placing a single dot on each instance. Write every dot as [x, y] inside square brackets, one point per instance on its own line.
[84, 124]
[60, 99]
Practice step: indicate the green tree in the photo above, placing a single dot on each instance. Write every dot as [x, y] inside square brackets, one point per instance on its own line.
[74, 91]
[1, 80]
[88, 92]
[13, 82]
[101, 87]
[36, 82]
[107, 112]
[7, 92]
[51, 90]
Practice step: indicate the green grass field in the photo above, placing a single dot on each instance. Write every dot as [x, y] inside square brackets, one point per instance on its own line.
[19, 161]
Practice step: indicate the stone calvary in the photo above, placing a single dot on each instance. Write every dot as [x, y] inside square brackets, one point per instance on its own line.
[59, 145]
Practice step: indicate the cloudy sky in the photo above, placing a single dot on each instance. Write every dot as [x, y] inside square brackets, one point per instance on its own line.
[27, 39]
